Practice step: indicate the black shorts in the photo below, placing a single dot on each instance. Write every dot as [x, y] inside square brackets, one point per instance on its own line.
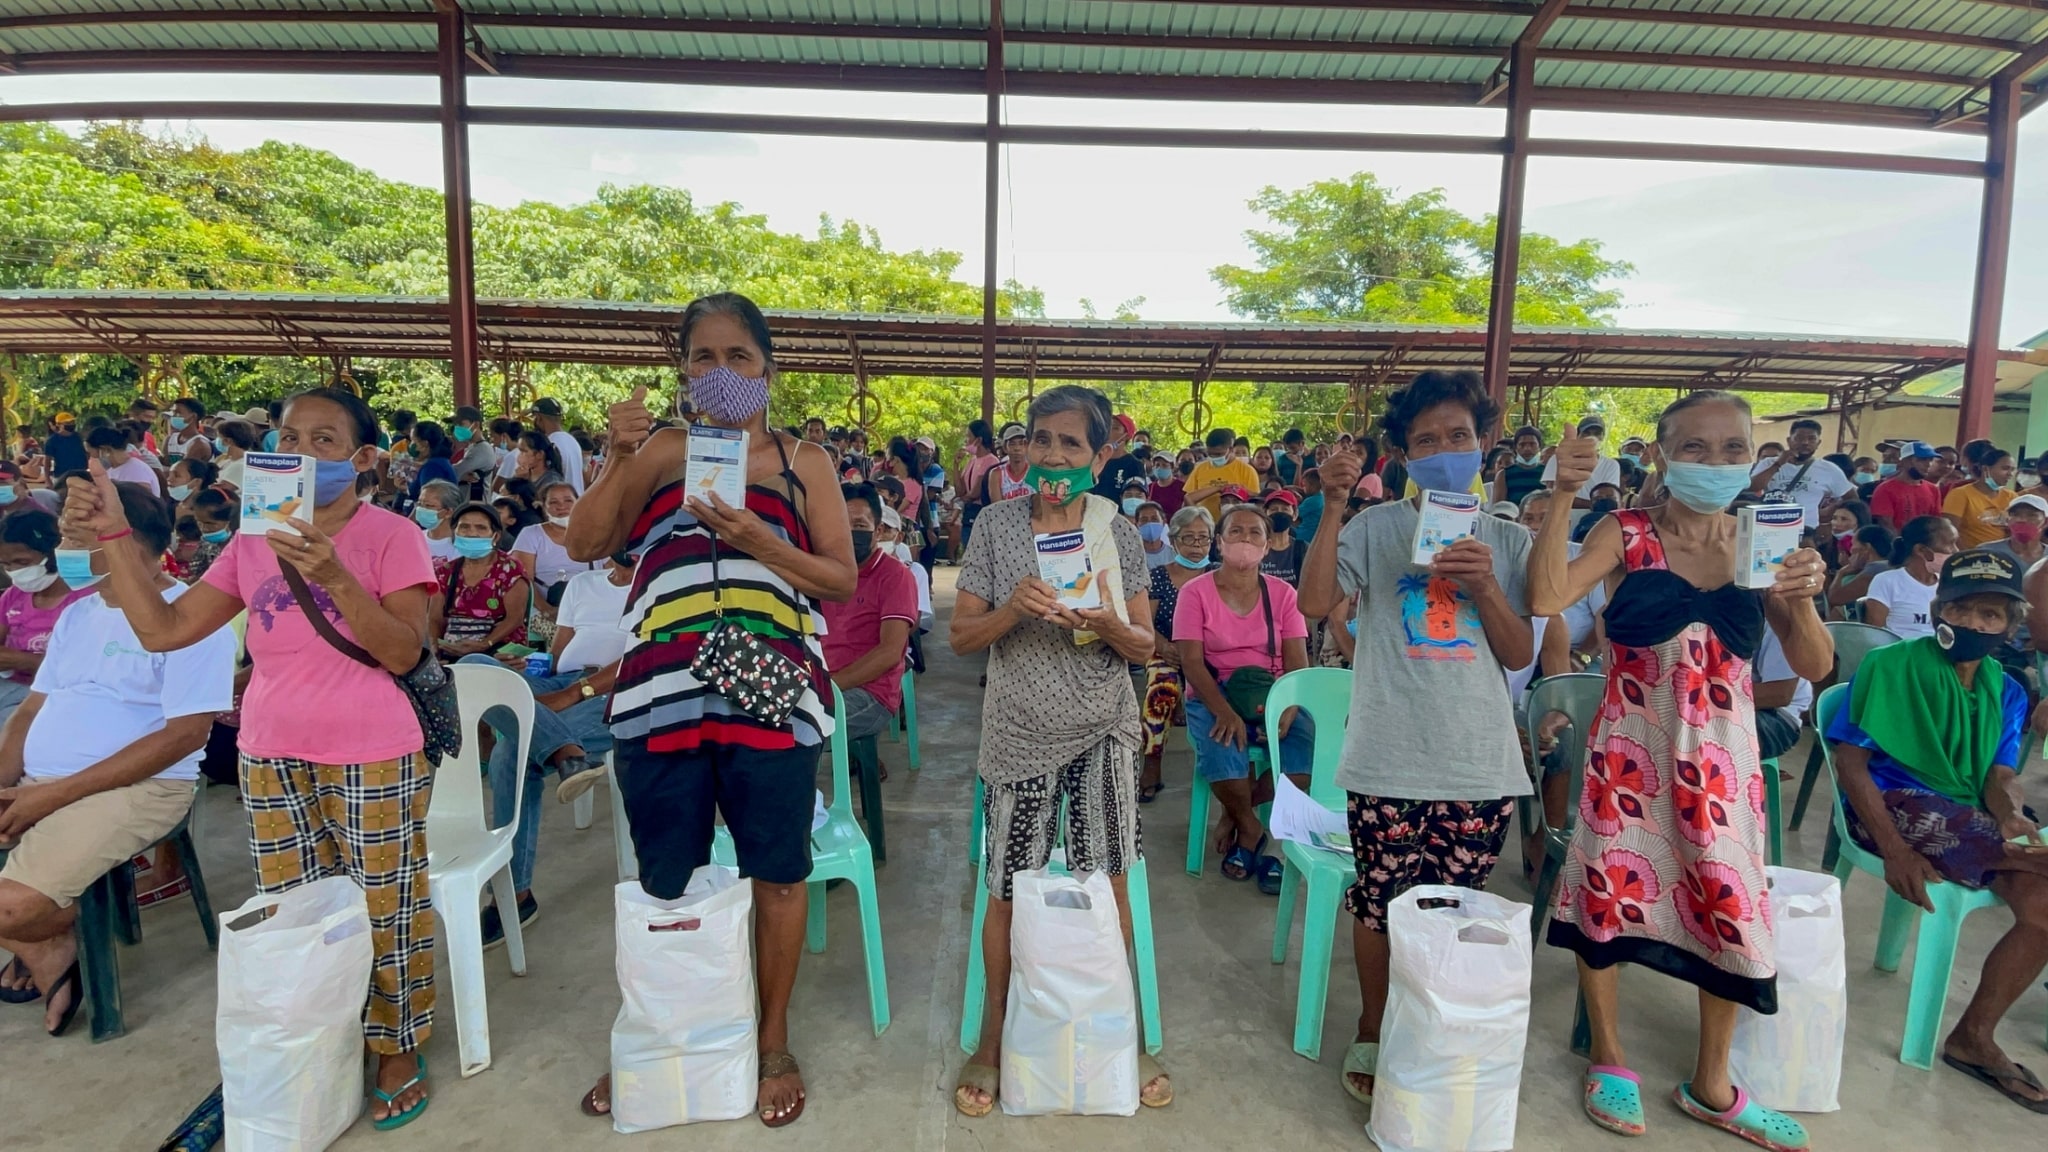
[766, 798]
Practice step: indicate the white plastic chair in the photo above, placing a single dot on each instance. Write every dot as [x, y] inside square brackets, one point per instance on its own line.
[585, 810]
[464, 853]
[622, 832]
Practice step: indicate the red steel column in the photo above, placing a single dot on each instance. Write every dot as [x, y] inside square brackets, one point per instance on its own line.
[991, 174]
[1994, 244]
[455, 197]
[1507, 238]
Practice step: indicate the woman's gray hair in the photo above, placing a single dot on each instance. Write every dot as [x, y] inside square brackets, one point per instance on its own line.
[446, 493]
[1542, 495]
[1252, 510]
[1188, 515]
[1074, 398]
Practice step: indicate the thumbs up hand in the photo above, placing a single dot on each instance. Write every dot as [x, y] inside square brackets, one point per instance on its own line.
[630, 422]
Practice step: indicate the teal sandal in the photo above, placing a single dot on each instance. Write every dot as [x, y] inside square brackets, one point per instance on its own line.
[1614, 1100]
[1363, 1059]
[401, 1119]
[1747, 1119]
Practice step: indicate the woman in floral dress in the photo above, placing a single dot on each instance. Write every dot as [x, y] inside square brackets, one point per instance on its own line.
[1666, 868]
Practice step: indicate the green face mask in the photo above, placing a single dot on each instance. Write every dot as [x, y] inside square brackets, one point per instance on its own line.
[1061, 486]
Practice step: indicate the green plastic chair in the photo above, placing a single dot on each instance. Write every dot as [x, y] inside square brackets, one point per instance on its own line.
[1576, 695]
[1325, 695]
[1852, 643]
[905, 728]
[1199, 798]
[1934, 957]
[839, 851]
[1140, 892]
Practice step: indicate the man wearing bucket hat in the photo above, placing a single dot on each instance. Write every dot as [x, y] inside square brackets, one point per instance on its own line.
[1927, 753]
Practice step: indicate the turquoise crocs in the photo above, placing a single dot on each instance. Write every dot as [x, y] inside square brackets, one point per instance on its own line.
[1614, 1099]
[1747, 1119]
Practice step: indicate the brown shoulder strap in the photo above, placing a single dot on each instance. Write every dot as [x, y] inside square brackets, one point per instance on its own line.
[303, 596]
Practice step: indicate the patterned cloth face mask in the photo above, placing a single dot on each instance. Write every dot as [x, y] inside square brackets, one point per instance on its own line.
[723, 396]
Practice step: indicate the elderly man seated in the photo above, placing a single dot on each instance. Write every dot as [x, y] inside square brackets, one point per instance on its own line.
[865, 637]
[569, 731]
[1928, 756]
[97, 764]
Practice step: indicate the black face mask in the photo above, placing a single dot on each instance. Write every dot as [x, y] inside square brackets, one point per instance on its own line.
[1964, 645]
[863, 545]
[1282, 521]
[1187, 467]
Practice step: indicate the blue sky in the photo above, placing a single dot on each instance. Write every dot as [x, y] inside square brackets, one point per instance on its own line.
[1715, 247]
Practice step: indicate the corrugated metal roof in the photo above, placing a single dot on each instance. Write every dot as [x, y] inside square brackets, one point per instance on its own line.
[1876, 61]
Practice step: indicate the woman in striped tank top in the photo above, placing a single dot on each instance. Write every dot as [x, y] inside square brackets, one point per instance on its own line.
[682, 750]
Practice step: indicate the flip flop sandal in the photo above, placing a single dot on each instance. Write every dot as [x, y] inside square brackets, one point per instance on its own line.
[69, 978]
[1614, 1100]
[28, 995]
[1984, 1074]
[1240, 858]
[1148, 1071]
[1747, 1120]
[1150, 792]
[1363, 1059]
[1270, 871]
[773, 1066]
[589, 1105]
[401, 1119]
[985, 1079]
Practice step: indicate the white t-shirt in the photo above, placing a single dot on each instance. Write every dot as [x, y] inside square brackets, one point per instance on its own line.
[508, 463]
[442, 549]
[1909, 604]
[1823, 481]
[231, 471]
[134, 471]
[1520, 679]
[1607, 471]
[572, 458]
[551, 563]
[593, 606]
[1772, 665]
[103, 692]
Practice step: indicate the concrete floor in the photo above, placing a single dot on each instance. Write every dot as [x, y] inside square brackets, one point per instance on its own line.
[1228, 1012]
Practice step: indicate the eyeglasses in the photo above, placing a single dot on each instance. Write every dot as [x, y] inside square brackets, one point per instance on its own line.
[1185, 538]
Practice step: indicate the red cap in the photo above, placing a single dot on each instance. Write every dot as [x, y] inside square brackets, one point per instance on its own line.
[1128, 426]
[1284, 495]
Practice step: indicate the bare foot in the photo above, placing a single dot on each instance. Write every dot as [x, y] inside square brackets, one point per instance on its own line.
[781, 1093]
[393, 1072]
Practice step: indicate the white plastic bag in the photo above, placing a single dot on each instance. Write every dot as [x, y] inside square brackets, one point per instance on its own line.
[1793, 1061]
[683, 1047]
[1450, 1067]
[289, 1024]
[1070, 1033]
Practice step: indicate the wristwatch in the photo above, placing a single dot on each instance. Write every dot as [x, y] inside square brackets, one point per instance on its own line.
[584, 689]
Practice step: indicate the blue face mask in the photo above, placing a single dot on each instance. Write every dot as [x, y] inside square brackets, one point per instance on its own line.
[1184, 562]
[270, 440]
[1862, 478]
[74, 566]
[220, 446]
[331, 478]
[474, 547]
[178, 423]
[428, 518]
[1705, 487]
[463, 433]
[1446, 471]
[7, 494]
[1152, 533]
[1634, 459]
[1887, 469]
[217, 536]
[179, 491]
[1132, 504]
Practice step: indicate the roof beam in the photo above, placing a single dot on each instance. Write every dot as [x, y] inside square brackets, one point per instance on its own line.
[1790, 24]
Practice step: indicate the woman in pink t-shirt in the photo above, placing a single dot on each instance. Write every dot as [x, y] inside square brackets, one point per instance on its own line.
[29, 608]
[1229, 620]
[332, 771]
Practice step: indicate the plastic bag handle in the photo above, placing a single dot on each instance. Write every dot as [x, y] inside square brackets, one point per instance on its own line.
[686, 924]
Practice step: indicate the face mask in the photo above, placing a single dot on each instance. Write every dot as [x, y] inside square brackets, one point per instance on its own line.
[32, 580]
[1887, 469]
[1152, 533]
[463, 433]
[75, 566]
[723, 396]
[1282, 522]
[1966, 645]
[474, 547]
[1845, 541]
[1183, 561]
[1061, 486]
[1705, 487]
[428, 518]
[270, 441]
[178, 423]
[2026, 480]
[1242, 554]
[7, 494]
[1132, 504]
[1188, 469]
[179, 491]
[1219, 461]
[559, 521]
[1862, 478]
[863, 545]
[1528, 461]
[1161, 475]
[2024, 531]
[331, 478]
[1635, 460]
[217, 536]
[1445, 471]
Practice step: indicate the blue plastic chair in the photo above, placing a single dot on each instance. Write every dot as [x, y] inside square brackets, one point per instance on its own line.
[1325, 695]
[839, 851]
[1140, 894]
[1934, 957]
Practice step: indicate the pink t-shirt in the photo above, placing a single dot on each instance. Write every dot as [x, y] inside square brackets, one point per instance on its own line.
[1230, 641]
[886, 591]
[28, 627]
[307, 701]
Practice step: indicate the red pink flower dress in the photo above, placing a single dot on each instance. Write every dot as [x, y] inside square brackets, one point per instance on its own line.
[1666, 868]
